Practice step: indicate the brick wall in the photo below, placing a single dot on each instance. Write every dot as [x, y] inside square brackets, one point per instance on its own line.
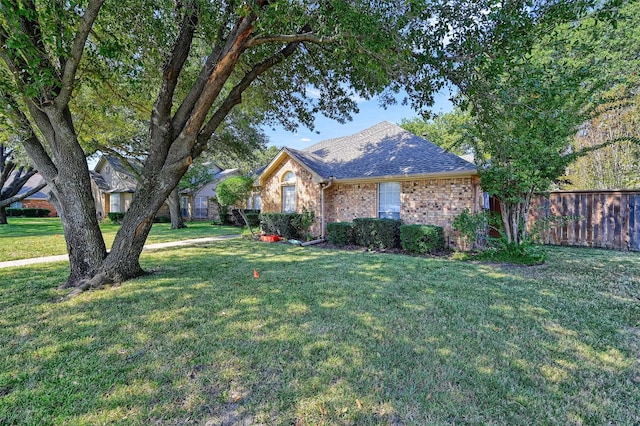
[438, 201]
[40, 204]
[345, 202]
[308, 193]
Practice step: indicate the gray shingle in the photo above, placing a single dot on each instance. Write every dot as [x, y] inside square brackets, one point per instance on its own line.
[382, 150]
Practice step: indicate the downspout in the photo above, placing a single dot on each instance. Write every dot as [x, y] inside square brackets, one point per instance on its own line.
[324, 223]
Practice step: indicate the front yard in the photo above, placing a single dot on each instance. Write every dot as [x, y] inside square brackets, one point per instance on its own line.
[326, 337]
[23, 238]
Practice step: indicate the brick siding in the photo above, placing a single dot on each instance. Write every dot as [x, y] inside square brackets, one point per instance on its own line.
[40, 204]
[425, 201]
[308, 193]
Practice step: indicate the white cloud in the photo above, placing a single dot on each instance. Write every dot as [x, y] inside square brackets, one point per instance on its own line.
[305, 140]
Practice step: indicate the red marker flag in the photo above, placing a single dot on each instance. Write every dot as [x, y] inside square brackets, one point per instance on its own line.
[256, 274]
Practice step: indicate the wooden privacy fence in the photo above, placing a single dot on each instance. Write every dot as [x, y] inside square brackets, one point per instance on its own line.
[607, 219]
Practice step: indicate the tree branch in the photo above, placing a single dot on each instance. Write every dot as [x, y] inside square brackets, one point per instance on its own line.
[235, 95]
[77, 48]
[308, 37]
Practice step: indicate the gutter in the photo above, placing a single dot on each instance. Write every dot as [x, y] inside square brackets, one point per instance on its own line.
[324, 223]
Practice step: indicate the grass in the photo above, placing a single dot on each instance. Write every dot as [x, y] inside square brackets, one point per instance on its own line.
[23, 238]
[326, 337]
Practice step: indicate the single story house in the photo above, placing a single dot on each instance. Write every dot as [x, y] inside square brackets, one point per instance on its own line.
[38, 200]
[201, 204]
[113, 184]
[383, 171]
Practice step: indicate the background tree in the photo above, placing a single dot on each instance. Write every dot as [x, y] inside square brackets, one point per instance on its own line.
[514, 73]
[234, 192]
[13, 178]
[447, 130]
[15, 170]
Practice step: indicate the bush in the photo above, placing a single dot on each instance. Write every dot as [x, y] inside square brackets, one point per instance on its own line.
[422, 239]
[377, 233]
[161, 219]
[340, 233]
[253, 217]
[287, 225]
[278, 224]
[472, 228]
[235, 218]
[27, 212]
[224, 217]
[115, 217]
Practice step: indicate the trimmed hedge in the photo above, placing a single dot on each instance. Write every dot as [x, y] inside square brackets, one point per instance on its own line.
[340, 233]
[422, 239]
[115, 217]
[27, 212]
[377, 233]
[287, 225]
[234, 217]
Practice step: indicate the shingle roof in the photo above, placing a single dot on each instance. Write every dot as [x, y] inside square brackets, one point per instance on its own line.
[33, 181]
[382, 150]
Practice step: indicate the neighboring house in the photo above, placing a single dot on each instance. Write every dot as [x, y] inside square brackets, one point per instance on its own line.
[383, 171]
[39, 200]
[113, 185]
[201, 204]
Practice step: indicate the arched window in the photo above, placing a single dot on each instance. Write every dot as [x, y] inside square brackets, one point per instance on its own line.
[288, 192]
[289, 178]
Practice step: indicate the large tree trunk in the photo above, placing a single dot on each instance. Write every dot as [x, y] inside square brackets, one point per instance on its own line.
[71, 187]
[3, 215]
[177, 222]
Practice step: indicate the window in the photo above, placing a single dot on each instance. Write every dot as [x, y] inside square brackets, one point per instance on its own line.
[257, 201]
[201, 207]
[114, 203]
[16, 205]
[254, 201]
[184, 206]
[289, 178]
[288, 193]
[389, 200]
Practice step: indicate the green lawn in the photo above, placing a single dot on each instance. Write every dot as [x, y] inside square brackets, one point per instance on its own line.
[326, 337]
[23, 238]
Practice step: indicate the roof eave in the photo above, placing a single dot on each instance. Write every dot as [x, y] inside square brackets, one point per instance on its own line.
[409, 177]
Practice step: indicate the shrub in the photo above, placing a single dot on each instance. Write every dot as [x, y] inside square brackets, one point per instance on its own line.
[472, 228]
[115, 217]
[422, 239]
[161, 219]
[377, 233]
[27, 212]
[340, 233]
[287, 225]
[235, 218]
[223, 213]
[278, 224]
[253, 216]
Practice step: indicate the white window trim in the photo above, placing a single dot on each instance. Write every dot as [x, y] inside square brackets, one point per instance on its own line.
[378, 204]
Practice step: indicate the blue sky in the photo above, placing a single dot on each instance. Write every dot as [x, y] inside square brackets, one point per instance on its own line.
[371, 113]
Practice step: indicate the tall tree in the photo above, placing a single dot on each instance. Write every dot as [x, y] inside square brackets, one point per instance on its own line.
[205, 58]
[447, 130]
[526, 99]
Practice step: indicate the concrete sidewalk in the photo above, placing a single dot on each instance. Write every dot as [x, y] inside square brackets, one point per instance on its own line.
[155, 246]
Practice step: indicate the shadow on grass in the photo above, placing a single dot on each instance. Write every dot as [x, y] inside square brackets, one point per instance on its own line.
[327, 337]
